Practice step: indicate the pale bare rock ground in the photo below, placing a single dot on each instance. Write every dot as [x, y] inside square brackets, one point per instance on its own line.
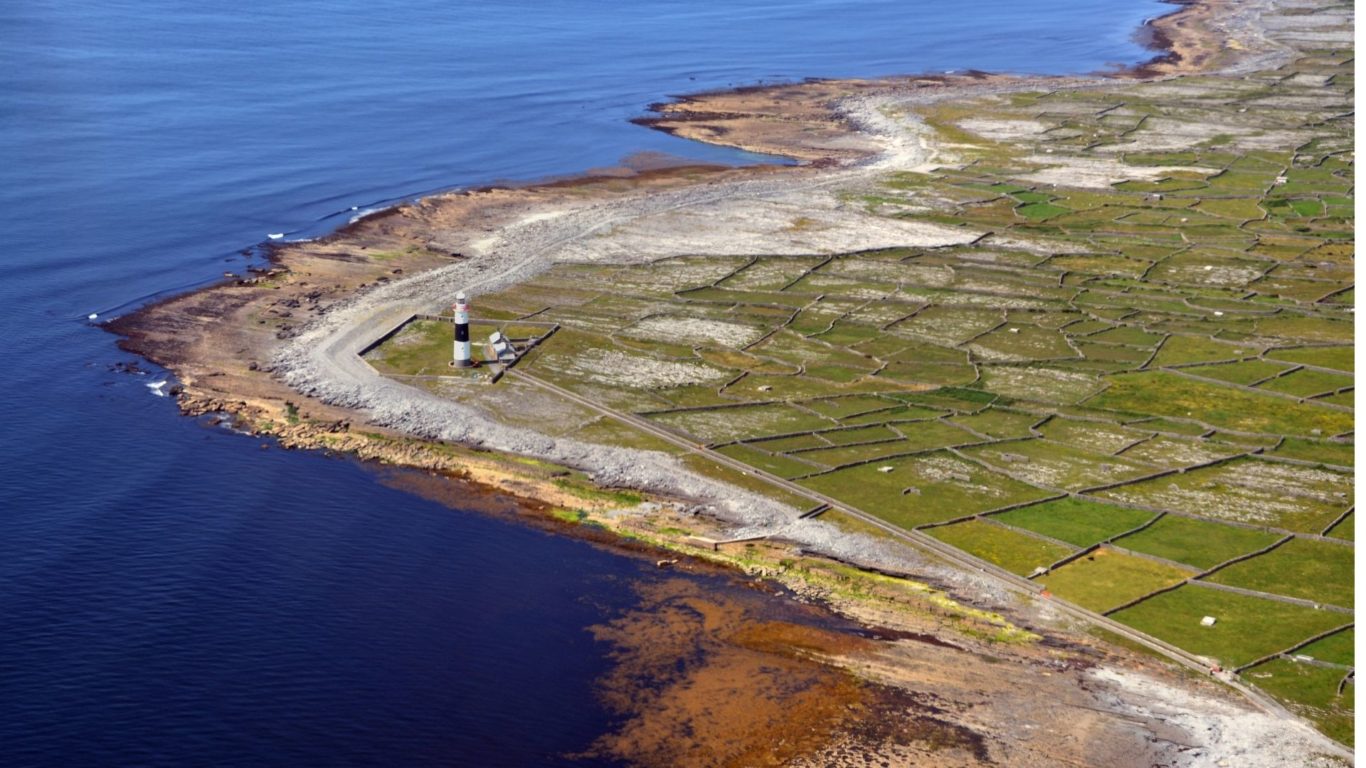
[1225, 735]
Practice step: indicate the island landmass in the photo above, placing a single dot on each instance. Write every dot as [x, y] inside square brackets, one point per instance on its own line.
[1029, 397]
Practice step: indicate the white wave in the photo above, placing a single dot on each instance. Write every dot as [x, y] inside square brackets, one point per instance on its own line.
[158, 387]
[366, 212]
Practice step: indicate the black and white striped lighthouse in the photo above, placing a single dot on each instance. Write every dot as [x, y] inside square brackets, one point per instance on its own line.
[462, 332]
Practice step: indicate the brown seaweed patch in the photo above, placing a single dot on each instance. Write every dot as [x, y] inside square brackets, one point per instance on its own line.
[704, 679]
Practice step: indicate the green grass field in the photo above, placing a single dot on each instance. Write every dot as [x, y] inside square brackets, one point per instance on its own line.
[1179, 350]
[1016, 552]
[919, 437]
[1339, 454]
[1247, 629]
[1337, 358]
[1246, 372]
[1307, 383]
[777, 464]
[1303, 568]
[1076, 521]
[1167, 394]
[1105, 579]
[1198, 543]
[745, 422]
[998, 423]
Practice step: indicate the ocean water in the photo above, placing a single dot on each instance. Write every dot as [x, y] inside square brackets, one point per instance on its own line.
[172, 593]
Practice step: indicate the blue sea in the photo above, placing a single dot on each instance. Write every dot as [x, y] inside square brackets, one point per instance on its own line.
[172, 593]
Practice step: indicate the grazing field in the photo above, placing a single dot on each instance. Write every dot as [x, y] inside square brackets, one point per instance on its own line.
[1169, 394]
[1195, 542]
[1303, 568]
[1247, 628]
[1155, 323]
[1076, 521]
[1105, 579]
[1016, 552]
[1318, 451]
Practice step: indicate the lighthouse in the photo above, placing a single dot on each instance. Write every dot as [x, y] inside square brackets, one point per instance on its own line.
[462, 332]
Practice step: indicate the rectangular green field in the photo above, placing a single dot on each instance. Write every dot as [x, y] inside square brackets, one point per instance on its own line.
[420, 347]
[853, 454]
[747, 480]
[1199, 543]
[788, 444]
[922, 489]
[1307, 382]
[898, 414]
[1246, 629]
[1337, 358]
[777, 464]
[1303, 568]
[1076, 521]
[608, 431]
[1043, 385]
[1166, 394]
[1197, 349]
[1105, 578]
[843, 407]
[921, 436]
[859, 435]
[996, 422]
[1246, 372]
[1016, 552]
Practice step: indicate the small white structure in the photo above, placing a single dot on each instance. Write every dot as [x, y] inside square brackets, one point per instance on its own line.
[499, 348]
[1208, 621]
[886, 469]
